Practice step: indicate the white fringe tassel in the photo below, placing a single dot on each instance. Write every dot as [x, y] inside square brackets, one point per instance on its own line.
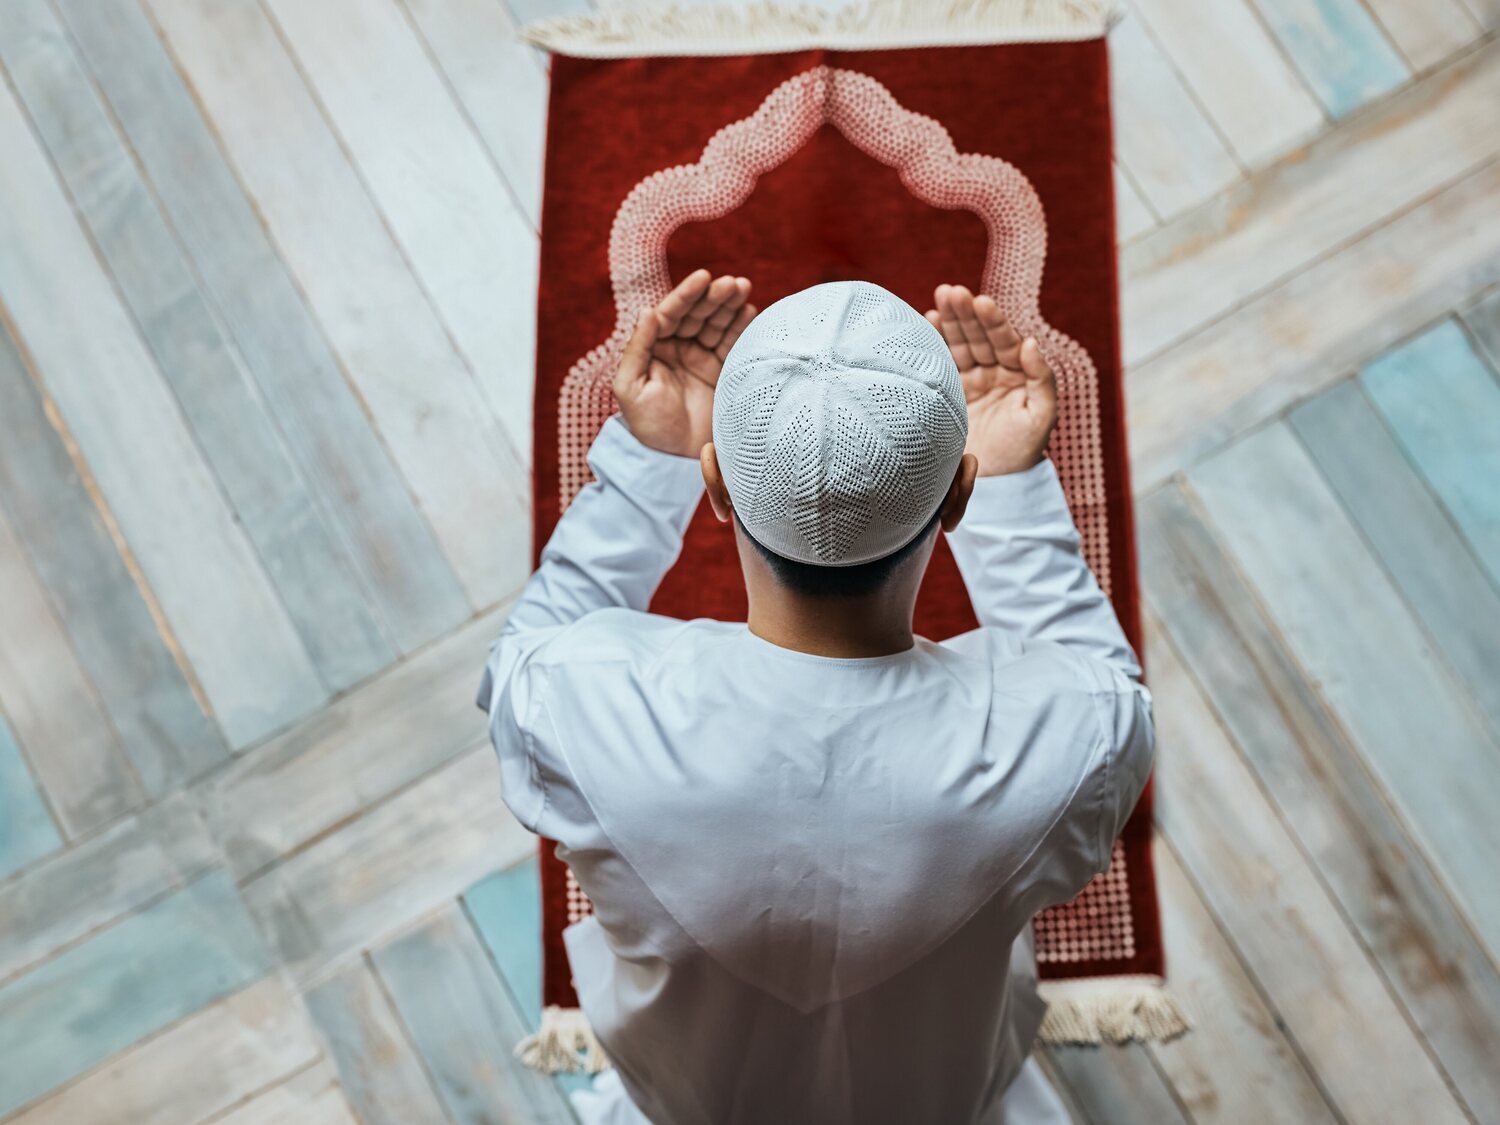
[1110, 1010]
[564, 1043]
[766, 26]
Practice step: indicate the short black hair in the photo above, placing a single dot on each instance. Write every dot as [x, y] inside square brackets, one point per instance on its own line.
[839, 581]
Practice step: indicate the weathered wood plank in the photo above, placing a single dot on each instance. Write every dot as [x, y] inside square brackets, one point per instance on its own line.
[1409, 532]
[446, 205]
[1284, 928]
[1320, 783]
[506, 908]
[1239, 74]
[1350, 629]
[310, 1097]
[140, 975]
[525, 11]
[1132, 216]
[1323, 322]
[202, 569]
[378, 1067]
[465, 1025]
[1264, 230]
[423, 399]
[496, 79]
[26, 829]
[398, 861]
[1339, 49]
[1443, 405]
[1117, 1085]
[162, 729]
[72, 893]
[1483, 322]
[52, 704]
[392, 545]
[1231, 1020]
[1161, 137]
[236, 434]
[194, 1070]
[1426, 31]
[366, 746]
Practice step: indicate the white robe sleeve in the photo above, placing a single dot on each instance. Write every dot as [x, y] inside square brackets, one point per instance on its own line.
[1021, 559]
[612, 547]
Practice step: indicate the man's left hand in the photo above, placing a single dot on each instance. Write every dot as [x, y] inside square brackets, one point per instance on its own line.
[665, 383]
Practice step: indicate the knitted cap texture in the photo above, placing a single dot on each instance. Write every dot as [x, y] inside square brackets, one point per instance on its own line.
[839, 421]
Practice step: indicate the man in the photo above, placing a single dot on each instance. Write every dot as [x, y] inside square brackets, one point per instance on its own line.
[815, 842]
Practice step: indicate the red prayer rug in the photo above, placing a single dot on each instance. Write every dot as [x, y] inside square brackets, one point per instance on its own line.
[795, 148]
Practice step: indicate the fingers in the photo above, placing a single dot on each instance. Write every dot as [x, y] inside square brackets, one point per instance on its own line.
[720, 319]
[742, 319]
[1003, 339]
[947, 324]
[635, 360]
[677, 304]
[962, 303]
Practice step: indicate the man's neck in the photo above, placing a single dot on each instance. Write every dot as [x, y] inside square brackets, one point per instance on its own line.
[831, 626]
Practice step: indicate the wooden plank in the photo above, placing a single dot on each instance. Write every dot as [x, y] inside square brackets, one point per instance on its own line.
[1409, 532]
[310, 1097]
[325, 426]
[506, 908]
[1237, 71]
[378, 1067]
[454, 455]
[1323, 789]
[360, 750]
[1132, 216]
[1482, 319]
[136, 977]
[72, 893]
[240, 440]
[1443, 405]
[53, 706]
[1426, 31]
[496, 79]
[1323, 322]
[1350, 629]
[53, 511]
[195, 1069]
[465, 1025]
[26, 829]
[1263, 231]
[202, 569]
[395, 863]
[1280, 921]
[1339, 49]
[447, 206]
[1117, 1085]
[1070, 1100]
[1161, 137]
[524, 11]
[1231, 1020]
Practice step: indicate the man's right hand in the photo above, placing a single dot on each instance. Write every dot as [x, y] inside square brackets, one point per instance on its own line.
[1010, 389]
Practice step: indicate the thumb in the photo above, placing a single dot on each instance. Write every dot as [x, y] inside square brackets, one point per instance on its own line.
[1040, 380]
[635, 361]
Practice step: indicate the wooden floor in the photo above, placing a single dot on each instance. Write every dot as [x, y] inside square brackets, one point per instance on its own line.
[266, 293]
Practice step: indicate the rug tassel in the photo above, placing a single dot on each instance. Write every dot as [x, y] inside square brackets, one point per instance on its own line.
[1111, 1010]
[668, 28]
[564, 1043]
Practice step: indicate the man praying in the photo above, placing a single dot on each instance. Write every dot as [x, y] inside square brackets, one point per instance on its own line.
[814, 841]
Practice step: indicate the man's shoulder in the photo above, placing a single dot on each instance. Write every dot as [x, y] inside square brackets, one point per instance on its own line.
[1033, 666]
[619, 635]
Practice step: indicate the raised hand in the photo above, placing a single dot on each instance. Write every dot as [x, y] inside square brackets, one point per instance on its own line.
[667, 374]
[1011, 392]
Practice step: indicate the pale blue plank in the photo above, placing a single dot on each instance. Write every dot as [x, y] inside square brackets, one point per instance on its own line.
[161, 727]
[140, 975]
[1410, 533]
[26, 831]
[1443, 404]
[1338, 47]
[310, 570]
[1350, 628]
[465, 1025]
[507, 912]
[283, 347]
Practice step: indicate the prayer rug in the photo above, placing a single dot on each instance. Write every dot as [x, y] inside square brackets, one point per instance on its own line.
[906, 144]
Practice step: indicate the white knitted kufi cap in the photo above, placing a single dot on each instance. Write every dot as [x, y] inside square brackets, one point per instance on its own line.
[839, 421]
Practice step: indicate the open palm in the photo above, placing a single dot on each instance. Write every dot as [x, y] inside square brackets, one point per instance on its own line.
[670, 367]
[1010, 390]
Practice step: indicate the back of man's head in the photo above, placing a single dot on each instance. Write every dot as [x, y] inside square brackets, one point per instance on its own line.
[839, 422]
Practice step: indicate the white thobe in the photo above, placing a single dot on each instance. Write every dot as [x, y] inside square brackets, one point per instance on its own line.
[813, 877]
